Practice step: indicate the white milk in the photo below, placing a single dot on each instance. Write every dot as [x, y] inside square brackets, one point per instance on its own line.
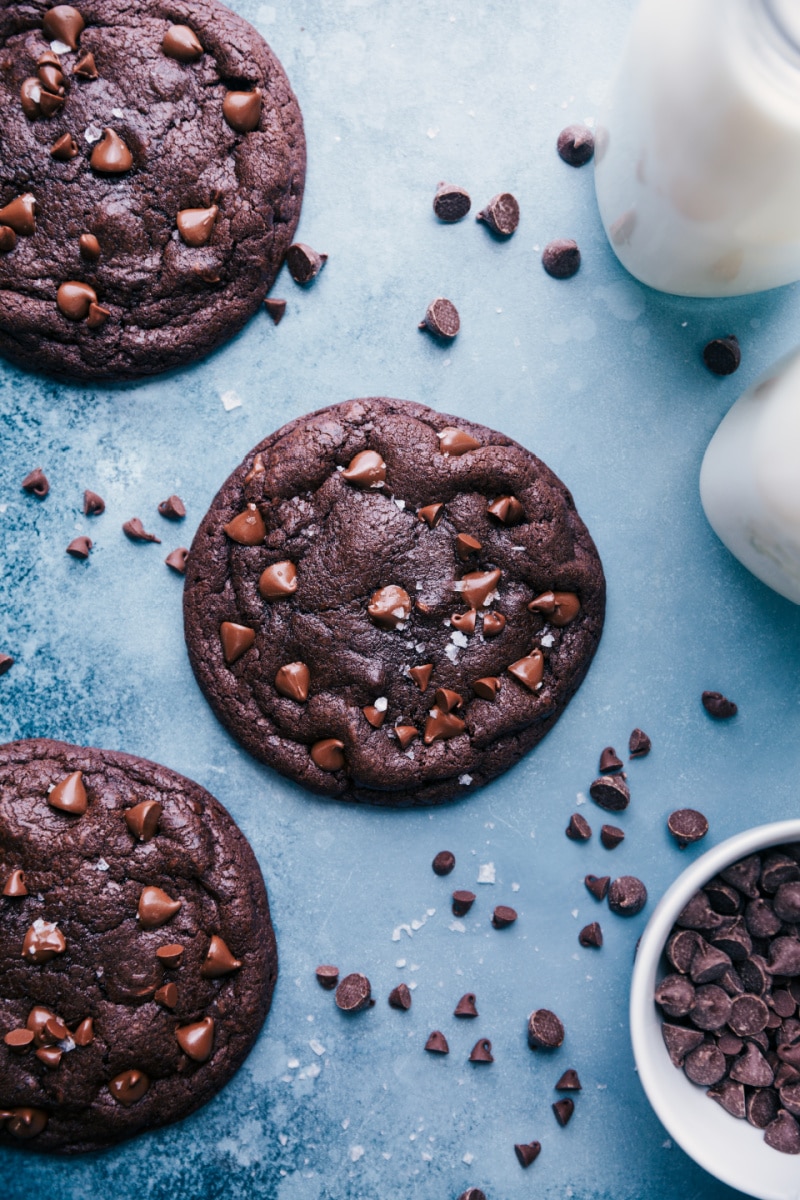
[750, 478]
[698, 149]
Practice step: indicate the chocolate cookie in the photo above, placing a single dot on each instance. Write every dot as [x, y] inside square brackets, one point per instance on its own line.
[151, 180]
[137, 957]
[391, 605]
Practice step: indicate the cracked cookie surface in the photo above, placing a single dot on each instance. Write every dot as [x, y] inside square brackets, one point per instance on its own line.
[391, 605]
[150, 183]
[137, 956]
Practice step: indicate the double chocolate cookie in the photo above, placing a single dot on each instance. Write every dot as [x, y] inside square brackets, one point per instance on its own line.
[391, 605]
[136, 953]
[151, 178]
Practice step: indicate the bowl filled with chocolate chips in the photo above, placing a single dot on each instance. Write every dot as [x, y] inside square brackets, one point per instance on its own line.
[715, 1011]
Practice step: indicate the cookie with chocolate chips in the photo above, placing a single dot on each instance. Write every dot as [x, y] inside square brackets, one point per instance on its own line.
[391, 605]
[136, 953]
[151, 180]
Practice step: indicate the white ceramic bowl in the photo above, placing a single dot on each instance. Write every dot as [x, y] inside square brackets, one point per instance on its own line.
[732, 1150]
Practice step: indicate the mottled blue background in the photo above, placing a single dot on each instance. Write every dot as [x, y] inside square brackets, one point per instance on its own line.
[603, 379]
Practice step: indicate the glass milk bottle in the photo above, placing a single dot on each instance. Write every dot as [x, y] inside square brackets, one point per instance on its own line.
[698, 148]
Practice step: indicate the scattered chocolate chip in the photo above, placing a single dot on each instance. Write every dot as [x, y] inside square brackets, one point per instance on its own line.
[18, 1040]
[481, 1052]
[730, 1096]
[487, 688]
[400, 997]
[389, 607]
[527, 1152]
[503, 916]
[639, 744]
[6, 663]
[354, 993]
[86, 67]
[8, 239]
[783, 1133]
[143, 819]
[501, 214]
[611, 836]
[63, 24]
[14, 885]
[89, 247]
[611, 792]
[65, 148]
[711, 1007]
[563, 1110]
[196, 225]
[579, 828]
[172, 508]
[575, 145]
[111, 156]
[561, 258]
[466, 1006]
[278, 581]
[440, 725]
[156, 908]
[559, 607]
[437, 1043]
[247, 528]
[69, 795]
[80, 547]
[170, 954]
[405, 735]
[451, 203]
[724, 899]
[276, 309]
[529, 670]
[177, 559]
[466, 546]
[167, 995]
[304, 263]
[717, 705]
[680, 1041]
[219, 960]
[197, 1040]
[36, 484]
[627, 896]
[432, 514]
[598, 885]
[135, 530]
[328, 754]
[43, 941]
[93, 505]
[242, 111]
[327, 977]
[444, 862]
[508, 510]
[722, 355]
[545, 1031]
[675, 995]
[462, 903]
[609, 761]
[441, 319]
[50, 1055]
[705, 1065]
[591, 936]
[493, 624]
[20, 215]
[181, 42]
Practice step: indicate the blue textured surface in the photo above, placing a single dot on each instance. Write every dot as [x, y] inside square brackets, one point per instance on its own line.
[603, 380]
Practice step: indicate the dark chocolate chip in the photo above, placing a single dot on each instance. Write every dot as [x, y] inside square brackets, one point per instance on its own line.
[708, 964]
[93, 505]
[609, 761]
[134, 529]
[6, 663]
[501, 214]
[563, 1110]
[561, 258]
[304, 263]
[639, 744]
[731, 981]
[611, 792]
[611, 836]
[276, 309]
[687, 825]
[472, 1194]
[400, 997]
[749, 1015]
[675, 995]
[36, 484]
[724, 899]
[441, 319]
[777, 869]
[579, 828]
[787, 902]
[354, 993]
[729, 1043]
[697, 913]
[730, 1096]
[755, 975]
[591, 936]
[782, 1002]
[503, 916]
[680, 1041]
[80, 547]
[705, 1065]
[784, 956]
[462, 903]
[437, 1043]
[597, 885]
[761, 1107]
[744, 875]
[451, 203]
[545, 1030]
[481, 1052]
[733, 938]
[751, 1068]
[711, 1007]
[783, 1133]
[444, 862]
[466, 1006]
[790, 1095]
[172, 508]
[717, 705]
[569, 1082]
[575, 145]
[627, 896]
[177, 559]
[722, 355]
[527, 1152]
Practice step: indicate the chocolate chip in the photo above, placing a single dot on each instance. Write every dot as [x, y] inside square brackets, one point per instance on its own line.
[172, 508]
[724, 899]
[680, 1041]
[472, 1194]
[354, 993]
[784, 956]
[722, 355]
[63, 24]
[591, 936]
[278, 580]
[527, 1152]
[327, 976]
[545, 1030]
[328, 754]
[487, 688]
[366, 470]
[697, 913]
[181, 42]
[481, 1052]
[65, 148]
[777, 869]
[14, 885]
[563, 1110]
[389, 607]
[276, 309]
[687, 825]
[242, 111]
[177, 559]
[609, 762]
[400, 997]
[733, 938]
[451, 203]
[501, 214]
[711, 1007]
[8, 239]
[761, 1107]
[111, 156]
[579, 828]
[744, 875]
[675, 995]
[561, 258]
[782, 1002]
[20, 215]
[437, 1043]
[751, 1068]
[466, 1006]
[304, 263]
[69, 795]
[493, 624]
[787, 902]
[783, 1133]
[681, 949]
[559, 607]
[755, 975]
[611, 792]
[529, 670]
[749, 1015]
[717, 705]
[730, 1096]
[247, 527]
[611, 836]
[93, 505]
[708, 964]
[597, 885]
[503, 916]
[80, 547]
[6, 663]
[170, 954]
[639, 744]
[444, 862]
[569, 1082]
[729, 1044]
[462, 903]
[196, 225]
[627, 896]
[134, 529]
[705, 1065]
[36, 484]
[86, 68]
[575, 145]
[441, 319]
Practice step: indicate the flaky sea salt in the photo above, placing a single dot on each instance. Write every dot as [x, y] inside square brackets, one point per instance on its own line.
[486, 873]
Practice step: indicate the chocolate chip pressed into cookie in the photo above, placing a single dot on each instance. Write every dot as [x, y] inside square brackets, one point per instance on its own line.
[391, 605]
[137, 956]
[150, 182]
